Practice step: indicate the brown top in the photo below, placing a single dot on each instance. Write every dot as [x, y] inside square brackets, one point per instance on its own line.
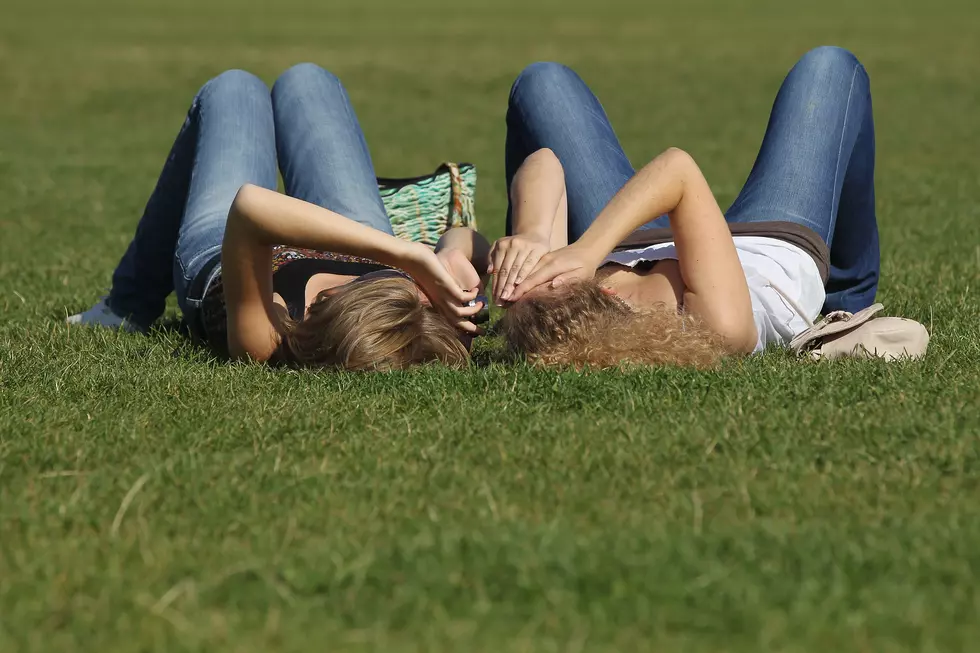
[790, 232]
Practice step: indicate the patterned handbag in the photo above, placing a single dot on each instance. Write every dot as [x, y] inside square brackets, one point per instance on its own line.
[421, 209]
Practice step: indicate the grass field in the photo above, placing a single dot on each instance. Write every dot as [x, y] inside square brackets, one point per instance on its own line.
[153, 499]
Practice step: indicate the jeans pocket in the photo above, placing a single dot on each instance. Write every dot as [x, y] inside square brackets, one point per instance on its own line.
[192, 278]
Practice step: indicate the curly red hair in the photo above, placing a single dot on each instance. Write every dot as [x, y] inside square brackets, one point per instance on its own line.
[581, 325]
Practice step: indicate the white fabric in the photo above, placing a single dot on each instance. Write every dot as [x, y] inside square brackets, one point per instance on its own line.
[784, 283]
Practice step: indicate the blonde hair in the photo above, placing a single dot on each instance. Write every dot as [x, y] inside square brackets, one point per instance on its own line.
[371, 325]
[581, 325]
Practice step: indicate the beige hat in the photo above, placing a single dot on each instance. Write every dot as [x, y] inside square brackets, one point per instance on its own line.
[862, 335]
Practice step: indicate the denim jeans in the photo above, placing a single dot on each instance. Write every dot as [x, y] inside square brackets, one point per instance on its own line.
[232, 134]
[815, 167]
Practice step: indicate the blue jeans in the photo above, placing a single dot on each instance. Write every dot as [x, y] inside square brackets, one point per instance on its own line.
[233, 132]
[815, 167]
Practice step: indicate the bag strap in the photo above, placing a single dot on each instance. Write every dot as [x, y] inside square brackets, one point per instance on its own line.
[456, 194]
[832, 324]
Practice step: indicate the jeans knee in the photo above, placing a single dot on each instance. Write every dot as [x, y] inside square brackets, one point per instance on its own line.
[235, 83]
[305, 76]
[541, 77]
[829, 58]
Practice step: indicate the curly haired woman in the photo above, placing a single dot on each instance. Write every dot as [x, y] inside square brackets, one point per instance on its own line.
[655, 273]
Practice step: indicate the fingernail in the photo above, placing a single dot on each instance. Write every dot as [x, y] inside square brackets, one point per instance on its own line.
[505, 294]
[518, 282]
[556, 283]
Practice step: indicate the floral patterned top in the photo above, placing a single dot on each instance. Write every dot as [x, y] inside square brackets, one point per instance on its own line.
[213, 315]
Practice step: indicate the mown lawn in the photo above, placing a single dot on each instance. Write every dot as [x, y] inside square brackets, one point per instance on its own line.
[154, 499]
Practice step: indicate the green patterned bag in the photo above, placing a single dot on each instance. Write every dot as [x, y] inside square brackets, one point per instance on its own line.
[421, 209]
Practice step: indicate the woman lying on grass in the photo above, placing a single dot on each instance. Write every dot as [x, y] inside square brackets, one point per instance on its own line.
[655, 273]
[313, 278]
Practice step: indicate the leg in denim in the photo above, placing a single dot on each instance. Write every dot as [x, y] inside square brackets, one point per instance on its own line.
[816, 168]
[550, 106]
[322, 152]
[227, 140]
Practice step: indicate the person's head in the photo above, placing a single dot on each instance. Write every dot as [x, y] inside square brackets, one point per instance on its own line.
[582, 324]
[376, 322]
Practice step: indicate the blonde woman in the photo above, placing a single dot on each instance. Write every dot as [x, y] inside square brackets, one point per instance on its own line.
[655, 272]
[312, 278]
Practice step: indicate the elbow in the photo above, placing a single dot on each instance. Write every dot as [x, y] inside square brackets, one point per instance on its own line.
[676, 157]
[541, 166]
[546, 158]
[247, 209]
[546, 154]
[243, 225]
[739, 333]
[245, 199]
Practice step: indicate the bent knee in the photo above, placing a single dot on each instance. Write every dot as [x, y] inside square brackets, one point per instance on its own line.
[305, 75]
[830, 57]
[235, 81]
[543, 77]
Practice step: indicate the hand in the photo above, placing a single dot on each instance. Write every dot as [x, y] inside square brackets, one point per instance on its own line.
[571, 263]
[511, 260]
[458, 264]
[439, 285]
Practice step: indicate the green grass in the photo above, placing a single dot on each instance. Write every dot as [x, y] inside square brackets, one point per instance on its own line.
[153, 499]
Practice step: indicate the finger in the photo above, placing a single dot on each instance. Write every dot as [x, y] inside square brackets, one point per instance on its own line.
[547, 269]
[515, 268]
[467, 311]
[449, 293]
[469, 327]
[492, 256]
[469, 277]
[527, 286]
[529, 264]
[459, 295]
[518, 292]
[500, 279]
[496, 262]
[569, 277]
[543, 272]
[500, 272]
[497, 253]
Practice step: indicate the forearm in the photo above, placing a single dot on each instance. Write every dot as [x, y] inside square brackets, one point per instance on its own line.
[536, 194]
[265, 218]
[658, 188]
[715, 285]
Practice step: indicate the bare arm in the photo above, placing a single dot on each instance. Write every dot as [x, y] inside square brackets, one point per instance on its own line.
[537, 195]
[260, 219]
[539, 221]
[715, 285]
